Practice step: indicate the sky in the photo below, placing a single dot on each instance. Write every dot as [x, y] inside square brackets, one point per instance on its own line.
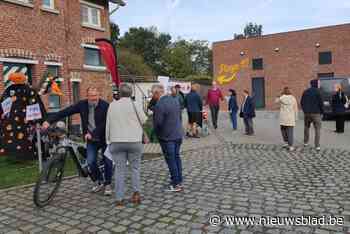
[217, 20]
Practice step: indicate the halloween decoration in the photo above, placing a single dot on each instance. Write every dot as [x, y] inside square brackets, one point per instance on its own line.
[49, 83]
[16, 129]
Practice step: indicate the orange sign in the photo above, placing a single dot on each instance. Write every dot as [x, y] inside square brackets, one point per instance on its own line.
[229, 73]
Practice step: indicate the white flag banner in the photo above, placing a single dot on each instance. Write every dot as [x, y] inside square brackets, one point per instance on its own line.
[33, 112]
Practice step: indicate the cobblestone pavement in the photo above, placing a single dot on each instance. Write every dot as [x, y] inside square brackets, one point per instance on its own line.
[221, 178]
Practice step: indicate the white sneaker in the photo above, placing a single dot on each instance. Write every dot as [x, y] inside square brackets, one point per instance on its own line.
[174, 189]
[318, 148]
[108, 190]
[97, 187]
[291, 148]
[306, 144]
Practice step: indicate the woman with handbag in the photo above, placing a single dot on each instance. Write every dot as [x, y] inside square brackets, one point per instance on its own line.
[288, 116]
[124, 136]
[339, 105]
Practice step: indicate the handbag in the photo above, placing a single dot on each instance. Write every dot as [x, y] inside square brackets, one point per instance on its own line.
[145, 138]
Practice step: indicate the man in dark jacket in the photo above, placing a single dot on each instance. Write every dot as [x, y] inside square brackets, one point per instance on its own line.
[168, 127]
[248, 113]
[312, 105]
[93, 113]
[194, 105]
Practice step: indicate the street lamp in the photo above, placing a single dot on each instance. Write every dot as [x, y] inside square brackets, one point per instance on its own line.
[119, 3]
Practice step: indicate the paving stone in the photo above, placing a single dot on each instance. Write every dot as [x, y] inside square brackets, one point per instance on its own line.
[119, 229]
[74, 231]
[221, 177]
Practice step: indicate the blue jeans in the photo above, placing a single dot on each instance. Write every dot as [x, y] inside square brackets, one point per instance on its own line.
[171, 151]
[233, 115]
[91, 151]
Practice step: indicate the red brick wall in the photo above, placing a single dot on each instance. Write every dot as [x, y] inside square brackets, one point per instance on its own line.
[43, 33]
[294, 65]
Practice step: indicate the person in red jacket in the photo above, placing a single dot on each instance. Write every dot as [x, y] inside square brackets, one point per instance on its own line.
[213, 100]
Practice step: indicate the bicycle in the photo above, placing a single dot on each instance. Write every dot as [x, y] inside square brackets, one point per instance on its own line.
[59, 146]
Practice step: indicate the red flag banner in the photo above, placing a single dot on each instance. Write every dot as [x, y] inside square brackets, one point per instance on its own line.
[110, 58]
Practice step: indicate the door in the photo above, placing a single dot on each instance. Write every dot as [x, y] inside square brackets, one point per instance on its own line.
[258, 88]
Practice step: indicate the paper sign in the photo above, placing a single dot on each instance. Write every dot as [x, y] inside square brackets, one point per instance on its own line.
[164, 80]
[33, 112]
[185, 87]
[6, 105]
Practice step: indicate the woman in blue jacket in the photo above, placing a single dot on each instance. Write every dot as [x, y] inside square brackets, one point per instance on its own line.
[233, 108]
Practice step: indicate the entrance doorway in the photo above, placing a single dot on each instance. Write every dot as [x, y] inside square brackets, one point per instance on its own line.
[258, 88]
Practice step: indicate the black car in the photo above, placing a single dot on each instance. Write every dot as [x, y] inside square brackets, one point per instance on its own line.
[327, 88]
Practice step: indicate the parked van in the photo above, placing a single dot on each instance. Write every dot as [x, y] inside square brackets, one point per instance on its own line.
[326, 86]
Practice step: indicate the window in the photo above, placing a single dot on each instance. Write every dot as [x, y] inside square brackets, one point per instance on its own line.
[325, 58]
[54, 103]
[49, 4]
[90, 16]
[53, 70]
[93, 57]
[325, 75]
[54, 100]
[76, 91]
[258, 64]
[9, 68]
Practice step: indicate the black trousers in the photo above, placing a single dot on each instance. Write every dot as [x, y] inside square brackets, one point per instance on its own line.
[339, 123]
[214, 110]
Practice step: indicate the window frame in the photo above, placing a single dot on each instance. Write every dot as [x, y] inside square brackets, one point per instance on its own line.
[254, 64]
[90, 7]
[325, 60]
[54, 66]
[25, 3]
[51, 6]
[76, 88]
[55, 108]
[101, 66]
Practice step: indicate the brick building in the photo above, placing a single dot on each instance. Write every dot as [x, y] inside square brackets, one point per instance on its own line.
[56, 36]
[264, 65]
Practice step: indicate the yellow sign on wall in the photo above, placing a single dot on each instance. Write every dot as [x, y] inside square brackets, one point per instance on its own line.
[228, 73]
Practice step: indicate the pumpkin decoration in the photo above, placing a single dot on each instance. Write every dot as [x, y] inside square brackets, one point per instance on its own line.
[17, 134]
[17, 78]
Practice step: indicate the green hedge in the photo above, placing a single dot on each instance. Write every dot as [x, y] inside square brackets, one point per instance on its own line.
[200, 79]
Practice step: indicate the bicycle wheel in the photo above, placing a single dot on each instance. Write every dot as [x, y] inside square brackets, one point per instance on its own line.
[49, 181]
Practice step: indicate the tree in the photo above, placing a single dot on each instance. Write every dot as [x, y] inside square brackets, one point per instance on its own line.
[201, 53]
[148, 43]
[115, 32]
[238, 36]
[252, 30]
[177, 60]
[132, 63]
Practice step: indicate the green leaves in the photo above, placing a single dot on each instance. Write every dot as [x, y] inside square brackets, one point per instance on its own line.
[146, 51]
